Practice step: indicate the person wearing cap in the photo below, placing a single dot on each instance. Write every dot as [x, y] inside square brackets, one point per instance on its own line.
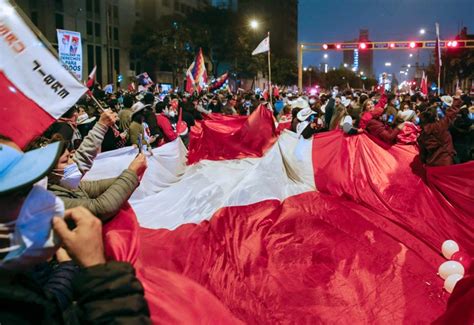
[379, 130]
[136, 128]
[32, 228]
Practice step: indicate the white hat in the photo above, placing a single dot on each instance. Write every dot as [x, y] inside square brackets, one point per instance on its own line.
[84, 119]
[299, 103]
[407, 115]
[448, 100]
[137, 107]
[304, 114]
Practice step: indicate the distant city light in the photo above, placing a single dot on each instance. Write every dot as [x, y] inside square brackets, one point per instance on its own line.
[422, 31]
[411, 55]
[409, 65]
[345, 65]
[388, 64]
[412, 45]
[325, 56]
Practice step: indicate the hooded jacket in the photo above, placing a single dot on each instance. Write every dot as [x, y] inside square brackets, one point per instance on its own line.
[436, 144]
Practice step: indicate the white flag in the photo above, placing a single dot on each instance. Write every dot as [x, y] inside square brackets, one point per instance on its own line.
[264, 46]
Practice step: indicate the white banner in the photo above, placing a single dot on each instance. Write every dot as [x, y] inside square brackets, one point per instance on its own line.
[27, 63]
[70, 51]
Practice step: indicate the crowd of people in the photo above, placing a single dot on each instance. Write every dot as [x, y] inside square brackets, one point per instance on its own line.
[59, 273]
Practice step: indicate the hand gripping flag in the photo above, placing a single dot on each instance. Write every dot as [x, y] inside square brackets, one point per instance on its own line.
[264, 46]
[196, 76]
[35, 89]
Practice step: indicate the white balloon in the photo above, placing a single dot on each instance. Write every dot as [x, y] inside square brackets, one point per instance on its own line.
[449, 247]
[450, 267]
[451, 281]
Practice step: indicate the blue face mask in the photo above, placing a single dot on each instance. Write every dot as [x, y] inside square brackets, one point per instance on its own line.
[31, 235]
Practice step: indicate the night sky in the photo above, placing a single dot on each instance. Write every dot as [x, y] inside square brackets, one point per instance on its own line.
[340, 20]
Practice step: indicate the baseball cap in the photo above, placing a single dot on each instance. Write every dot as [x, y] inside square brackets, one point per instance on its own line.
[19, 169]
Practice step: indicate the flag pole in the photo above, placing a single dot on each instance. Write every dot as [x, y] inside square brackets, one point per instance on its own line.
[270, 90]
[440, 61]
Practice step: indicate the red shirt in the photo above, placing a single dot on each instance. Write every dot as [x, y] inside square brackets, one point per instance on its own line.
[164, 124]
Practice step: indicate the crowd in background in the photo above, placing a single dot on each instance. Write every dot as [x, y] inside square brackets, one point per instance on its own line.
[50, 282]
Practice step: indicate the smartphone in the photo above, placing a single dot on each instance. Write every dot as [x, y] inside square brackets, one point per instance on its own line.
[140, 144]
[390, 119]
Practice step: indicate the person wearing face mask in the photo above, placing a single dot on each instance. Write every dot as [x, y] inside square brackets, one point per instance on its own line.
[103, 198]
[164, 123]
[435, 141]
[32, 228]
[136, 128]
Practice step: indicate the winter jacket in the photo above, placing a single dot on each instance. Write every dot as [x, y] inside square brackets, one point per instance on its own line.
[125, 118]
[108, 294]
[103, 198]
[378, 129]
[165, 125]
[435, 142]
[84, 155]
[134, 131]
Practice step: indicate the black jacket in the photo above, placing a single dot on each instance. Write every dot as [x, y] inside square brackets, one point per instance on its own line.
[107, 294]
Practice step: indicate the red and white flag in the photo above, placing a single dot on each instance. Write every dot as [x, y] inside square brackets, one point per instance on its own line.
[289, 230]
[131, 87]
[424, 84]
[35, 89]
[92, 77]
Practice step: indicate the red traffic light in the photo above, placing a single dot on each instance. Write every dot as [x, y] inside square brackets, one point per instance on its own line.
[452, 43]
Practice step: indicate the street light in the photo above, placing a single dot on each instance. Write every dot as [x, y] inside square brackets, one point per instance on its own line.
[305, 69]
[422, 31]
[253, 24]
[411, 55]
[325, 56]
[409, 65]
[345, 65]
[388, 64]
[362, 73]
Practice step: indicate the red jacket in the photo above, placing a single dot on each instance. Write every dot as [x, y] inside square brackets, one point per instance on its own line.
[436, 144]
[164, 124]
[378, 129]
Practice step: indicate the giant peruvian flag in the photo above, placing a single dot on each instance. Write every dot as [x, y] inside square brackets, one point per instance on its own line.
[266, 229]
[35, 89]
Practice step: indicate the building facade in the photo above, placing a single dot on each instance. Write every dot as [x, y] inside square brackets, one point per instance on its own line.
[106, 28]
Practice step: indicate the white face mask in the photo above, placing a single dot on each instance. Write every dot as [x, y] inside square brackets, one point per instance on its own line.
[31, 235]
[71, 177]
[172, 113]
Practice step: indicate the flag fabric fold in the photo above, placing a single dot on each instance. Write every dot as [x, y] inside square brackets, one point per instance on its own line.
[92, 77]
[276, 239]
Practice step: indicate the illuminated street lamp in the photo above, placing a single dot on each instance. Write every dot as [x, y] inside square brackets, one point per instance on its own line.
[411, 55]
[409, 65]
[388, 64]
[325, 55]
[345, 65]
[422, 31]
[253, 24]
